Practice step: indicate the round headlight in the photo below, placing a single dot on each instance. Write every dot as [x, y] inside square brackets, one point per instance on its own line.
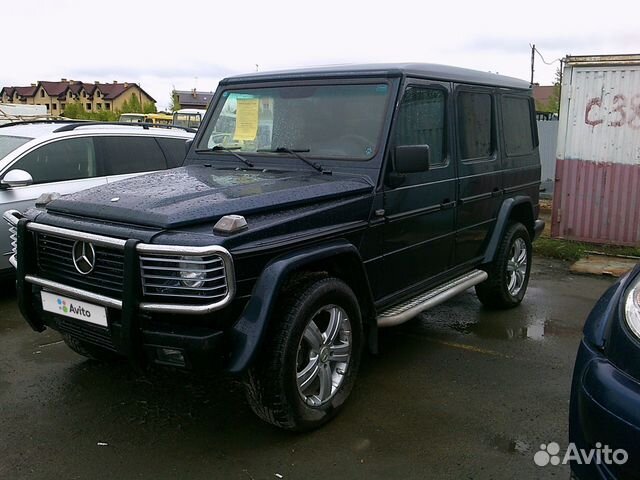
[192, 275]
[632, 308]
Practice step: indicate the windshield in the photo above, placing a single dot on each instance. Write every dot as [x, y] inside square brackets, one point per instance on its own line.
[9, 144]
[341, 121]
[189, 120]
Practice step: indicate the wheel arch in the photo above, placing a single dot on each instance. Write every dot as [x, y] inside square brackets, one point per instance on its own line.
[520, 209]
[338, 258]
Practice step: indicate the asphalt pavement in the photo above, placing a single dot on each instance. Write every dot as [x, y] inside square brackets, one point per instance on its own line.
[459, 392]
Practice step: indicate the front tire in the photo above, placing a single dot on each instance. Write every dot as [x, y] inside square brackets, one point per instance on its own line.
[509, 272]
[309, 362]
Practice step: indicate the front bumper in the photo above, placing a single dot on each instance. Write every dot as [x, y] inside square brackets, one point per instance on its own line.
[196, 348]
[605, 409]
[137, 328]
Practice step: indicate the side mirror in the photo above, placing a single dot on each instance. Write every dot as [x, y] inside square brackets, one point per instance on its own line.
[187, 146]
[16, 178]
[412, 158]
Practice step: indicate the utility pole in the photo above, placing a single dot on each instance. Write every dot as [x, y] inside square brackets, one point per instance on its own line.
[533, 59]
[560, 89]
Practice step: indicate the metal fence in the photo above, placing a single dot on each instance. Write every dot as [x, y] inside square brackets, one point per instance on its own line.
[548, 134]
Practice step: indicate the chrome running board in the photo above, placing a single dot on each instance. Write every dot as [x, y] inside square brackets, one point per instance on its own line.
[407, 310]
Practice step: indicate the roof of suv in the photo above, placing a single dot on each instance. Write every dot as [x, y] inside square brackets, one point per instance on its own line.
[39, 129]
[425, 70]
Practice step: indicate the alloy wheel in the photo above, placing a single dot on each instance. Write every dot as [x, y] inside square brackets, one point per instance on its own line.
[517, 267]
[323, 355]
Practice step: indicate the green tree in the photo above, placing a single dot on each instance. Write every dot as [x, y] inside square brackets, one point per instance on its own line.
[149, 107]
[132, 105]
[76, 111]
[553, 104]
[104, 116]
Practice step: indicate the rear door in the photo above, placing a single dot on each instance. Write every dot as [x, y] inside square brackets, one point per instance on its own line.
[175, 150]
[521, 160]
[420, 207]
[127, 156]
[479, 170]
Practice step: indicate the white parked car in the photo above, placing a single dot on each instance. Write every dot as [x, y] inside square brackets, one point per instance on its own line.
[65, 157]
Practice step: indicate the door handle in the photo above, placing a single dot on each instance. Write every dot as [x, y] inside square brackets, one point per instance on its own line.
[496, 192]
[446, 203]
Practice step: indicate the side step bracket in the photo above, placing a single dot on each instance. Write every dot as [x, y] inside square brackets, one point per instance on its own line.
[410, 308]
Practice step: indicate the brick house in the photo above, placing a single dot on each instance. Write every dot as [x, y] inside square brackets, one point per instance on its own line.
[94, 97]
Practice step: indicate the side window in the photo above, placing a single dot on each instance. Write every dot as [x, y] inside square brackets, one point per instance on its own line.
[69, 159]
[130, 155]
[517, 124]
[174, 149]
[475, 125]
[421, 121]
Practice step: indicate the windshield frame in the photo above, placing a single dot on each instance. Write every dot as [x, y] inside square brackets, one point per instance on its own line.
[219, 100]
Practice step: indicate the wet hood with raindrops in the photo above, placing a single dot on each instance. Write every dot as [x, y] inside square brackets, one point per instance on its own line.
[197, 194]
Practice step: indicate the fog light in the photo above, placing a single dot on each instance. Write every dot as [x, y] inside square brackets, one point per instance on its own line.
[171, 356]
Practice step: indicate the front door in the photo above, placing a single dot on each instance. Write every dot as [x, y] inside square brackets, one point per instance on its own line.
[419, 207]
[63, 166]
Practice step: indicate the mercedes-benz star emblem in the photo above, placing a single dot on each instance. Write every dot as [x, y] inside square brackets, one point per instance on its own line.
[84, 257]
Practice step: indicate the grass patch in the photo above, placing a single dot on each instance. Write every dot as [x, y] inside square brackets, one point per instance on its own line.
[569, 250]
[573, 251]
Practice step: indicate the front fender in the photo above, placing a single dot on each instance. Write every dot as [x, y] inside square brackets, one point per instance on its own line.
[248, 332]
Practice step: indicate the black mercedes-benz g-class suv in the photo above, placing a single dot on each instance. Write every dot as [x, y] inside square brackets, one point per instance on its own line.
[314, 207]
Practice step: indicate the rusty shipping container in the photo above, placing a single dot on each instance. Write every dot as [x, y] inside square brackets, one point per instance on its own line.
[597, 180]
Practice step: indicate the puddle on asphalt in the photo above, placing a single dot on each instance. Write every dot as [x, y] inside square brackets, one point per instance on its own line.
[497, 329]
[464, 314]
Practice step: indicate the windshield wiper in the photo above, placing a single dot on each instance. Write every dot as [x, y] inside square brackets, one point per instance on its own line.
[296, 153]
[220, 148]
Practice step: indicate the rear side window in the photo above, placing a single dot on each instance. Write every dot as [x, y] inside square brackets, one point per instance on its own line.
[517, 124]
[174, 150]
[70, 159]
[475, 125]
[122, 155]
[421, 121]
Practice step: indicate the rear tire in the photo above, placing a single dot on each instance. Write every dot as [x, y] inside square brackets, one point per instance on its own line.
[310, 358]
[90, 351]
[509, 272]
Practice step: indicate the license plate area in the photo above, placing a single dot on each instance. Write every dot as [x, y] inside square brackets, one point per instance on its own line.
[76, 309]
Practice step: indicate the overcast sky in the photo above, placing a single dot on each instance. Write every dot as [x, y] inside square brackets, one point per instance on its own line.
[193, 43]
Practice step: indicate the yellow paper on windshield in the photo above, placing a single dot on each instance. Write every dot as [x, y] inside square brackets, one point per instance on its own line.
[247, 119]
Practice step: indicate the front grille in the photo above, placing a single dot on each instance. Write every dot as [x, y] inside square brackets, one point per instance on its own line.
[55, 262]
[87, 332]
[164, 276]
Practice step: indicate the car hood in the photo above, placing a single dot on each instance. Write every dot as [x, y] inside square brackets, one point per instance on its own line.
[197, 193]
